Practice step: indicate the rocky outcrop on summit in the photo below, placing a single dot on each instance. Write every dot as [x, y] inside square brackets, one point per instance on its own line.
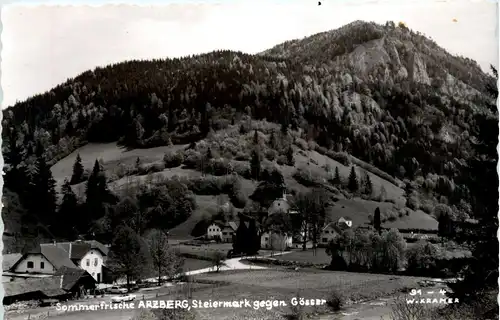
[417, 69]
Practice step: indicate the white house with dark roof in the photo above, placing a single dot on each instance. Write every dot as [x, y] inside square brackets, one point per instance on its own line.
[48, 258]
[222, 230]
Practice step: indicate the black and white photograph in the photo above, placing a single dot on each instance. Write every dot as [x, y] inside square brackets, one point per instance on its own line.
[250, 160]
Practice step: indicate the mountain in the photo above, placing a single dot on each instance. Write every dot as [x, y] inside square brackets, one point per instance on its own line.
[382, 94]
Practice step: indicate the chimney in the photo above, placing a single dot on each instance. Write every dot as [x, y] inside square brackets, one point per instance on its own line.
[70, 247]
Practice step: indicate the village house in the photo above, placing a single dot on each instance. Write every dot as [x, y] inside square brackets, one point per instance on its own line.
[333, 229]
[282, 204]
[224, 231]
[275, 241]
[49, 258]
[88, 255]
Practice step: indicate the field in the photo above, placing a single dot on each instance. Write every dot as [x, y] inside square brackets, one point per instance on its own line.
[283, 285]
[416, 220]
[358, 210]
[307, 256]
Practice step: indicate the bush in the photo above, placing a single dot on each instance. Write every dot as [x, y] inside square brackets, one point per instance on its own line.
[302, 144]
[173, 159]
[401, 310]
[271, 154]
[335, 300]
[282, 160]
[144, 169]
[218, 167]
[192, 159]
[340, 157]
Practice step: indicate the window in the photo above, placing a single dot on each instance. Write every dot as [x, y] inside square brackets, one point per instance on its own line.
[30, 264]
[88, 262]
[225, 233]
[326, 231]
[325, 239]
[42, 265]
[267, 238]
[95, 262]
[93, 274]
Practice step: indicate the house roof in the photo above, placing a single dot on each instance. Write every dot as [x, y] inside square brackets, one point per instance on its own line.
[54, 254]
[334, 226]
[9, 260]
[78, 249]
[233, 225]
[50, 285]
[71, 276]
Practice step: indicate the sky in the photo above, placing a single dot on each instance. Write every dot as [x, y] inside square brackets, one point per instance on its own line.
[43, 46]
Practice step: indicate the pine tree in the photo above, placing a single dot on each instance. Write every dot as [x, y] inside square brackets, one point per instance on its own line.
[255, 166]
[78, 170]
[353, 181]
[376, 220]
[256, 137]
[253, 238]
[209, 154]
[96, 192]
[137, 163]
[240, 243]
[42, 193]
[336, 178]
[272, 140]
[367, 185]
[289, 156]
[67, 216]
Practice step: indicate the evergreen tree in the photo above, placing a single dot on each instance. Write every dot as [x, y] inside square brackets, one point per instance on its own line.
[444, 225]
[289, 156]
[253, 238]
[272, 140]
[97, 193]
[256, 137]
[68, 219]
[42, 193]
[367, 185]
[336, 177]
[240, 243]
[78, 170]
[209, 155]
[353, 181]
[376, 220]
[137, 163]
[255, 166]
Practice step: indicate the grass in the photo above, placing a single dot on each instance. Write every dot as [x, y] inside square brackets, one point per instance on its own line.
[195, 264]
[357, 209]
[415, 220]
[306, 256]
[285, 284]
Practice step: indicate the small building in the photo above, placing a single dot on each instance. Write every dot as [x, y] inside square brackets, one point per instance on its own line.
[214, 230]
[88, 255]
[229, 231]
[282, 204]
[66, 284]
[333, 229]
[275, 241]
[43, 260]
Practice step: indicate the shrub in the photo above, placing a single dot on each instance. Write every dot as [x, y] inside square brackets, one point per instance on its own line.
[271, 154]
[144, 169]
[192, 159]
[281, 160]
[335, 300]
[241, 156]
[340, 157]
[401, 310]
[242, 169]
[218, 167]
[173, 159]
[302, 144]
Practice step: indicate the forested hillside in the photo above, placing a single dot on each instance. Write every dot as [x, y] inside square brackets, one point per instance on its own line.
[384, 94]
